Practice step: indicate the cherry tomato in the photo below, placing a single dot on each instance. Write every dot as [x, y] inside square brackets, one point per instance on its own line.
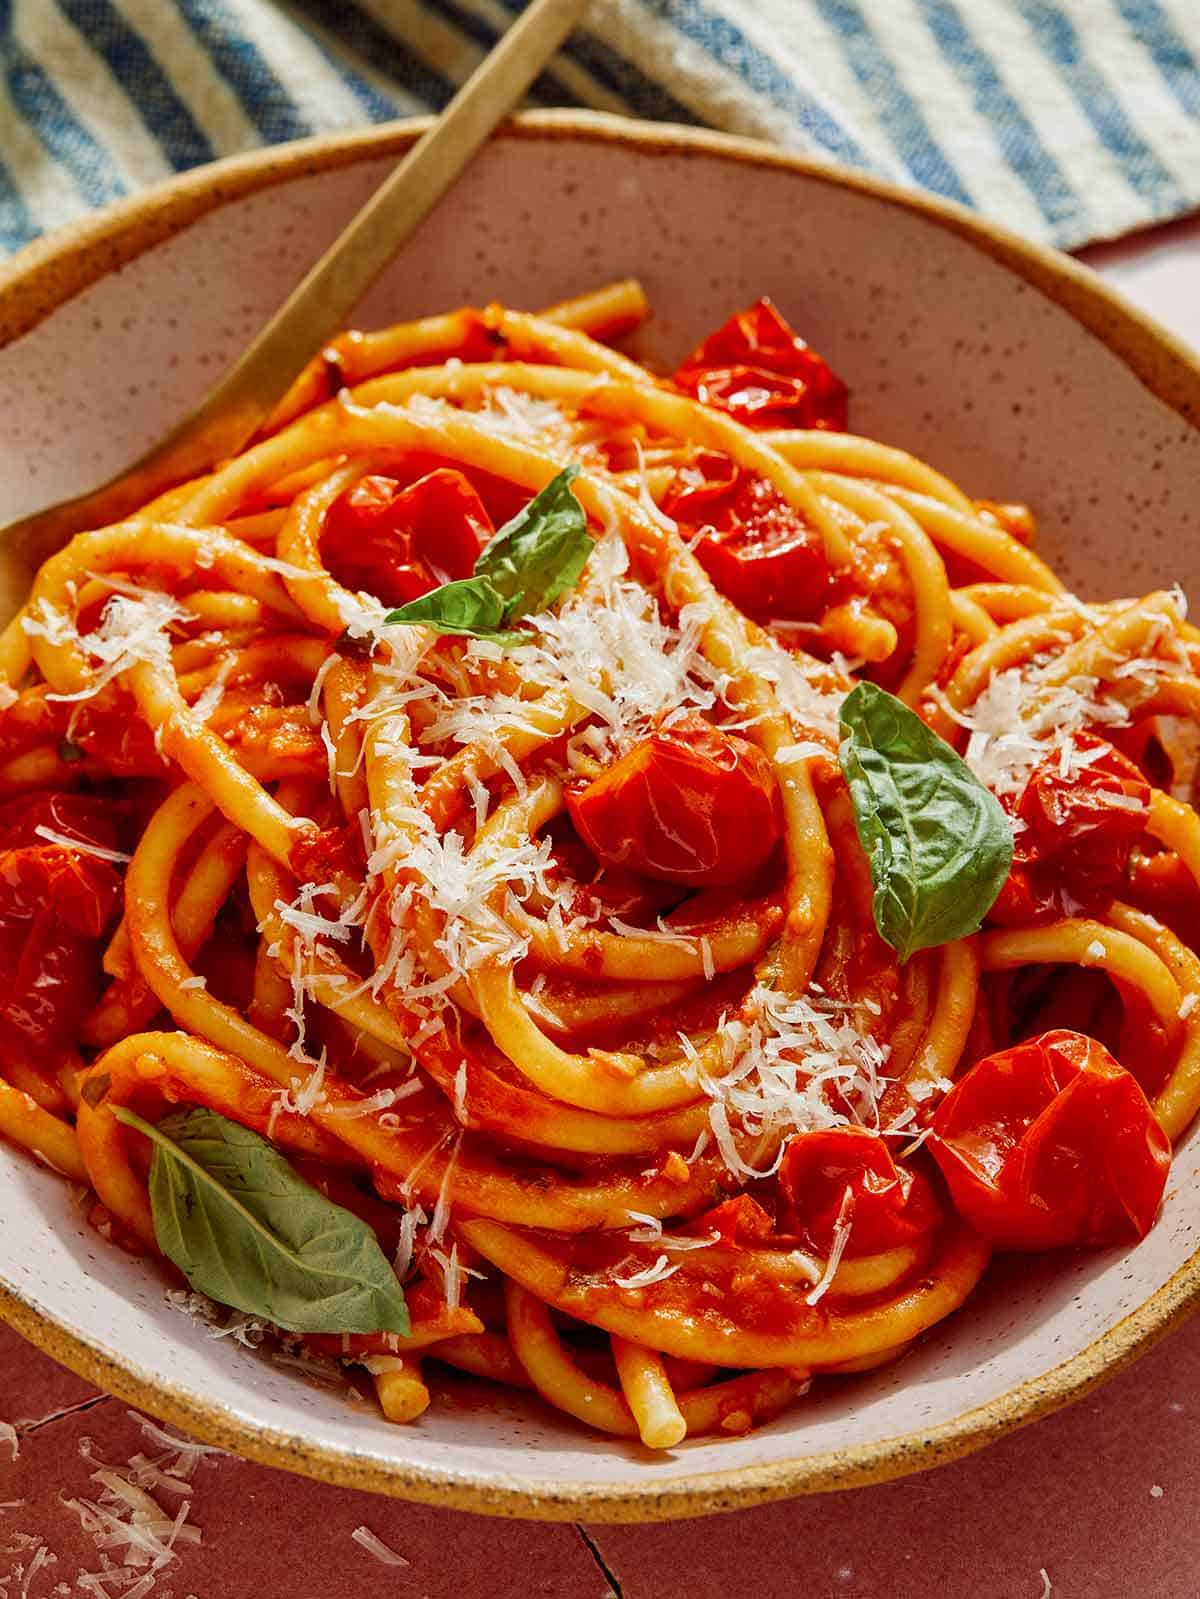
[690, 805]
[1052, 1142]
[1076, 833]
[398, 543]
[80, 816]
[105, 728]
[54, 905]
[759, 551]
[848, 1173]
[761, 371]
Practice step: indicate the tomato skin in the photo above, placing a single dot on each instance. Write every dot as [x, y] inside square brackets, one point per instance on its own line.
[1077, 835]
[398, 543]
[106, 728]
[54, 906]
[1051, 1143]
[886, 1205]
[55, 903]
[759, 551]
[690, 805]
[1074, 823]
[759, 370]
[80, 816]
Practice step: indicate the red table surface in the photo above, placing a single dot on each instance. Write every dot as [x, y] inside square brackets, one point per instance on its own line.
[1100, 1501]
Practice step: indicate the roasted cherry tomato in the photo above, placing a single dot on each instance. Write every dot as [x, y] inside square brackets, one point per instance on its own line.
[76, 816]
[1076, 832]
[54, 905]
[106, 729]
[847, 1174]
[398, 543]
[689, 805]
[1052, 1143]
[760, 371]
[757, 549]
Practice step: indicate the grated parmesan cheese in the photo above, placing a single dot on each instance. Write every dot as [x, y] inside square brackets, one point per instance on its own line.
[132, 628]
[612, 650]
[314, 695]
[662, 934]
[125, 1518]
[659, 1272]
[82, 846]
[781, 1059]
[366, 1539]
[1019, 720]
[205, 704]
[842, 1226]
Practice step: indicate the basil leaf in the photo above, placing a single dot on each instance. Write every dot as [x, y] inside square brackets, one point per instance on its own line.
[938, 842]
[244, 1228]
[537, 557]
[470, 606]
[532, 561]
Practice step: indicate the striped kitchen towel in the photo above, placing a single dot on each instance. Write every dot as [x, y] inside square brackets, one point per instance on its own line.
[1071, 120]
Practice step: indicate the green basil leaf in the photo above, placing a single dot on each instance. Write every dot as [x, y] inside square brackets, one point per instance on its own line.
[244, 1228]
[938, 842]
[532, 561]
[537, 557]
[470, 606]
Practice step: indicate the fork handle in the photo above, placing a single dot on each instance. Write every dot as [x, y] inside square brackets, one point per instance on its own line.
[319, 305]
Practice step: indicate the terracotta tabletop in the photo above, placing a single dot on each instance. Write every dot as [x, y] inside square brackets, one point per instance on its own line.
[1102, 1500]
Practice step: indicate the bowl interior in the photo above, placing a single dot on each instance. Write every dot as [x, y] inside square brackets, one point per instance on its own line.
[949, 353]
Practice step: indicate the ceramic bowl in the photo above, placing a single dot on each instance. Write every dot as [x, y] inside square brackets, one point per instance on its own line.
[1011, 368]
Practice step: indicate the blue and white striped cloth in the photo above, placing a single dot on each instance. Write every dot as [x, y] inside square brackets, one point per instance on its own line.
[1071, 120]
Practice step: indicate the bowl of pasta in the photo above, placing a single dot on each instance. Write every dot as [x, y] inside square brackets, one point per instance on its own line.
[602, 923]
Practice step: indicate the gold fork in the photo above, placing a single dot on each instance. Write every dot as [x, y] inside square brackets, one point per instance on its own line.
[317, 308]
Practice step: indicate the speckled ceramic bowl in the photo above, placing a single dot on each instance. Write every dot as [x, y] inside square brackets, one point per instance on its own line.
[1011, 368]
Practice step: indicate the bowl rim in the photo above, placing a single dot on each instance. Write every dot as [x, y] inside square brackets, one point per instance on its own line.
[45, 275]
